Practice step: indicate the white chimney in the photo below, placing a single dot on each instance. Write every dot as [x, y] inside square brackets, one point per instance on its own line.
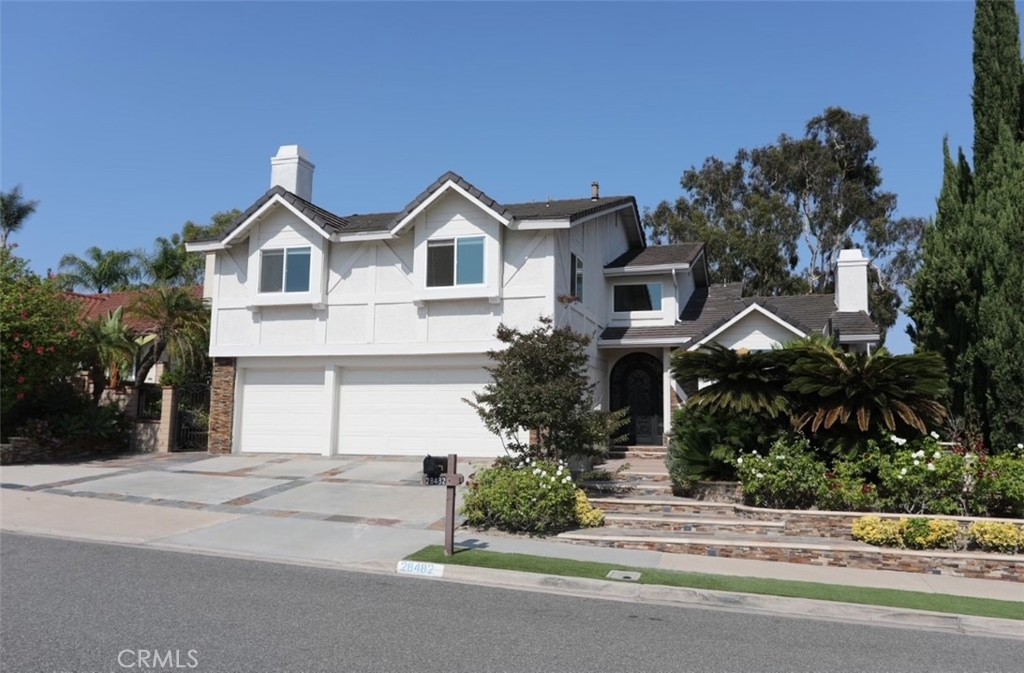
[851, 281]
[292, 169]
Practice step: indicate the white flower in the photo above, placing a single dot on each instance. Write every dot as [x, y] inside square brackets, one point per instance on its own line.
[936, 455]
[917, 462]
[898, 440]
[760, 475]
[536, 470]
[931, 467]
[560, 469]
[739, 461]
[903, 471]
[566, 480]
[919, 454]
[780, 457]
[900, 476]
[755, 452]
[934, 434]
[1020, 445]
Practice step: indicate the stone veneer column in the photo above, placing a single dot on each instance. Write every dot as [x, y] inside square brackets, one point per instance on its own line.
[222, 405]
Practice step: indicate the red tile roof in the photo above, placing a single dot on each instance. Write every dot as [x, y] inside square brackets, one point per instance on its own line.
[99, 305]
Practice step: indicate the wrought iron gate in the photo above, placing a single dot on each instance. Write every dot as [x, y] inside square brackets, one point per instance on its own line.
[193, 418]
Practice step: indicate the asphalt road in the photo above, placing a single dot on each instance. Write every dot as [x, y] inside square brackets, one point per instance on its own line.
[74, 607]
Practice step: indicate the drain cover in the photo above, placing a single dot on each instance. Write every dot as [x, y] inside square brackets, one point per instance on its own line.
[623, 575]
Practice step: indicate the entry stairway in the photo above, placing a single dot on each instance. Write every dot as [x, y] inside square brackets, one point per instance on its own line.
[641, 513]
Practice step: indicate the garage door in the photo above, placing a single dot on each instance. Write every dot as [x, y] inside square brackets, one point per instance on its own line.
[412, 412]
[283, 411]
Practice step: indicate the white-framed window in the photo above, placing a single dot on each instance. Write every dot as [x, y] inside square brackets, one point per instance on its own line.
[284, 270]
[632, 297]
[455, 261]
[576, 279]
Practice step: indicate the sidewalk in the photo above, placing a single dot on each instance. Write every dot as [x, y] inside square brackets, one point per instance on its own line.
[121, 502]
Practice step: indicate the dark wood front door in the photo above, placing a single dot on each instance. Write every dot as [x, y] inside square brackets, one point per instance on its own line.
[636, 383]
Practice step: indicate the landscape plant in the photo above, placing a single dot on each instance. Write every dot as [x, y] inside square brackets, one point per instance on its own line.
[530, 496]
[540, 401]
[998, 536]
[788, 476]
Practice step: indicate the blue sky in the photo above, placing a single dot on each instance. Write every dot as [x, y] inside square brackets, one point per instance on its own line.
[127, 119]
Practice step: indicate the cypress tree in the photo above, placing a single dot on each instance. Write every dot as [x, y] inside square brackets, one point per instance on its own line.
[998, 75]
[967, 297]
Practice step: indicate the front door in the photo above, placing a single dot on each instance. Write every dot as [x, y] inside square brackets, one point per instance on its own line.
[636, 383]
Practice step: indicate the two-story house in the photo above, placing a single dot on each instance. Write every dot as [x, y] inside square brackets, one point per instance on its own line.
[364, 333]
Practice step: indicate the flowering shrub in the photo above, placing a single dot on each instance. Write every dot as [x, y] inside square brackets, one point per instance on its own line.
[1005, 538]
[877, 531]
[533, 496]
[789, 477]
[1000, 491]
[925, 478]
[848, 486]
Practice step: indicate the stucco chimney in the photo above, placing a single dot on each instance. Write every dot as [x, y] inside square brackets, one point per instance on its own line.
[851, 281]
[292, 169]
[595, 191]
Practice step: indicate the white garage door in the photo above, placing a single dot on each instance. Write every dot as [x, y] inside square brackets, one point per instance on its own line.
[283, 411]
[412, 412]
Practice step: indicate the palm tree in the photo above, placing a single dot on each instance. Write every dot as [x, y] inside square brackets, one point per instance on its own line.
[740, 381]
[171, 264]
[855, 393]
[101, 271]
[14, 210]
[179, 323]
[111, 346]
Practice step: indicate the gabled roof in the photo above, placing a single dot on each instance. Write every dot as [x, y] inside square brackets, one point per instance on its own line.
[709, 309]
[657, 255]
[564, 209]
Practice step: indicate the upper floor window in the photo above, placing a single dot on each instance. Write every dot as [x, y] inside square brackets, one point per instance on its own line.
[637, 297]
[455, 261]
[284, 270]
[576, 280]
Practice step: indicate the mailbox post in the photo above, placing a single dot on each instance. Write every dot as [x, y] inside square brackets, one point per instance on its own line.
[452, 479]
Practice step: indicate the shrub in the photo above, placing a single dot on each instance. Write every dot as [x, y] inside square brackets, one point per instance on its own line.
[705, 444]
[877, 531]
[587, 515]
[1005, 538]
[72, 425]
[1000, 490]
[849, 485]
[924, 478]
[789, 477]
[534, 497]
[920, 533]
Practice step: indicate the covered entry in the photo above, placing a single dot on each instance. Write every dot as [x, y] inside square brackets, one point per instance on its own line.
[636, 382]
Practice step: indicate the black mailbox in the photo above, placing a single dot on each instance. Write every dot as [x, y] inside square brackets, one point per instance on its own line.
[433, 469]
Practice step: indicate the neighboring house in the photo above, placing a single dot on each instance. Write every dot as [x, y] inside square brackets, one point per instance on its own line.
[100, 305]
[363, 334]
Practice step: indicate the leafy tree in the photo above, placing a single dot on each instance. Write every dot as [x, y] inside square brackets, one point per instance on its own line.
[38, 335]
[101, 271]
[540, 387]
[966, 299]
[180, 325]
[109, 346]
[14, 210]
[823, 189]
[219, 224]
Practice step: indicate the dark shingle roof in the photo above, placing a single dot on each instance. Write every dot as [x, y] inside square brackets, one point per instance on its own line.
[573, 209]
[708, 309]
[657, 255]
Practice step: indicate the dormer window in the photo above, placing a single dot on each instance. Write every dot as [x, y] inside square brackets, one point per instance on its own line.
[455, 261]
[285, 270]
[637, 297]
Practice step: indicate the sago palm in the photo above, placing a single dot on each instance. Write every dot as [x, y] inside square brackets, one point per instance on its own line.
[739, 381]
[866, 393]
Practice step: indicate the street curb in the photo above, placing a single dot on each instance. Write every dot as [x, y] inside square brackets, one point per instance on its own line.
[738, 602]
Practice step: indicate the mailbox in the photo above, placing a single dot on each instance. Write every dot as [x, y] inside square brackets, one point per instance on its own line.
[434, 468]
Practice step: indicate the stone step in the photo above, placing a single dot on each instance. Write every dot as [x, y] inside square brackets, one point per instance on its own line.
[693, 524]
[816, 551]
[637, 503]
[638, 453]
[599, 488]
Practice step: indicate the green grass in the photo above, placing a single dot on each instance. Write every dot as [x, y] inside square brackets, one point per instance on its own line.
[915, 600]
